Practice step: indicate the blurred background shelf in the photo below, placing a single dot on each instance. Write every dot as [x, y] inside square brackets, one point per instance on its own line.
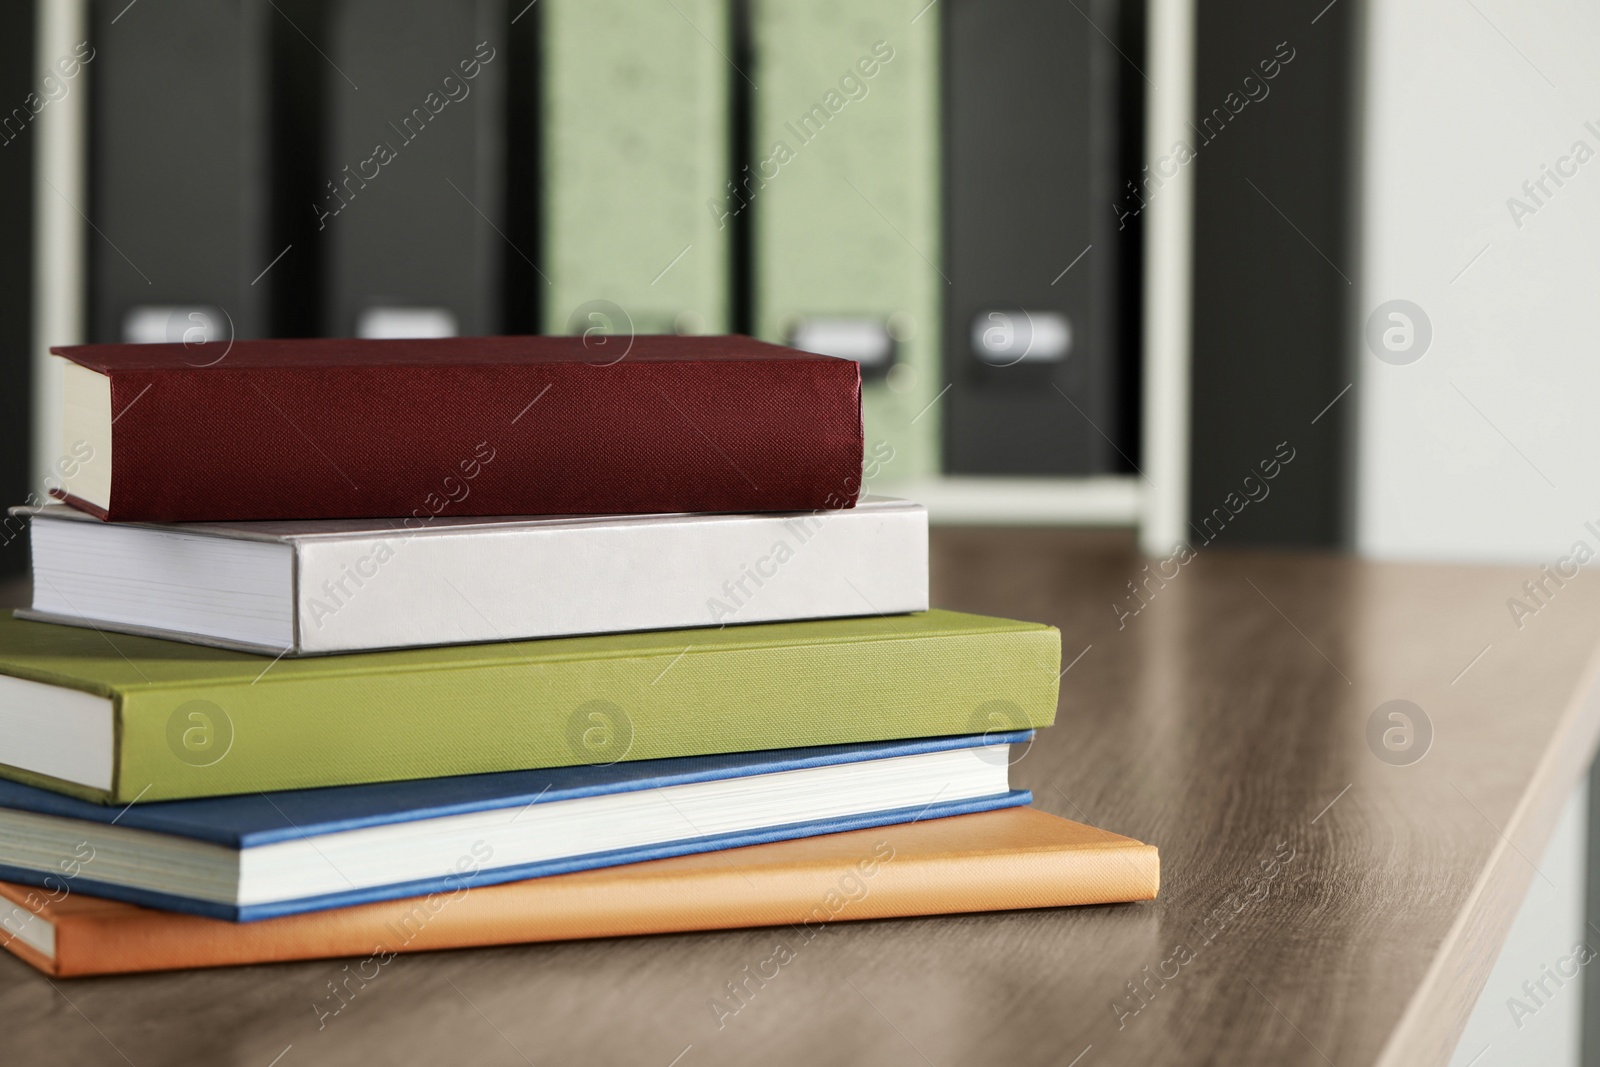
[940, 192]
[1105, 500]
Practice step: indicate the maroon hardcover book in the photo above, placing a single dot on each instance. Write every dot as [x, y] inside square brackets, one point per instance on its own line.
[300, 429]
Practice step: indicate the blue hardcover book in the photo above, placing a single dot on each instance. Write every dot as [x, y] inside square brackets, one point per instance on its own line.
[255, 857]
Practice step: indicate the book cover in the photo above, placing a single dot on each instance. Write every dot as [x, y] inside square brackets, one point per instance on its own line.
[415, 429]
[117, 718]
[245, 858]
[989, 861]
[316, 586]
[636, 135]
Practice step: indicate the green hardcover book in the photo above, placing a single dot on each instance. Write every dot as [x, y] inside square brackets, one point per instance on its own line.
[118, 719]
[844, 196]
[636, 141]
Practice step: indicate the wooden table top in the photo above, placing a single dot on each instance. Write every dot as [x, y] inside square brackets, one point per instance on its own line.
[1320, 904]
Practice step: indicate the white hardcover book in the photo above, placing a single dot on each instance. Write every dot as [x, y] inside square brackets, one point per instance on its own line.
[319, 586]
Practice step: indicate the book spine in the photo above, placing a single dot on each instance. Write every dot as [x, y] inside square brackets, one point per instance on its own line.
[413, 442]
[659, 898]
[453, 586]
[290, 731]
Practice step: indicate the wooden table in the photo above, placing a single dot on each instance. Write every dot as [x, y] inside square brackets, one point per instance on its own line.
[1226, 722]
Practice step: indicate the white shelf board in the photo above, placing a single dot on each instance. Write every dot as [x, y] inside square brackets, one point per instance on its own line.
[1103, 500]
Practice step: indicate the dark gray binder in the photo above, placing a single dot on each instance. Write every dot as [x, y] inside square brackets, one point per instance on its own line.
[1276, 211]
[17, 81]
[1032, 121]
[412, 211]
[179, 166]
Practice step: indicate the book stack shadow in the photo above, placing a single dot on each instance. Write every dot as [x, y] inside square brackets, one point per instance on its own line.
[351, 647]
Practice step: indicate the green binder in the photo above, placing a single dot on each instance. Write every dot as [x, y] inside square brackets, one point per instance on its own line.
[844, 195]
[636, 136]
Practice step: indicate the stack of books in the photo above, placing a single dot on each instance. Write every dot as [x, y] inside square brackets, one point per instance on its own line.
[293, 684]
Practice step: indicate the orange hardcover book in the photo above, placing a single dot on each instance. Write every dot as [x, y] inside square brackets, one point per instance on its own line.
[990, 861]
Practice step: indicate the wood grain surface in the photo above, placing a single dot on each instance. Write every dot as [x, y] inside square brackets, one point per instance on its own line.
[1320, 905]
